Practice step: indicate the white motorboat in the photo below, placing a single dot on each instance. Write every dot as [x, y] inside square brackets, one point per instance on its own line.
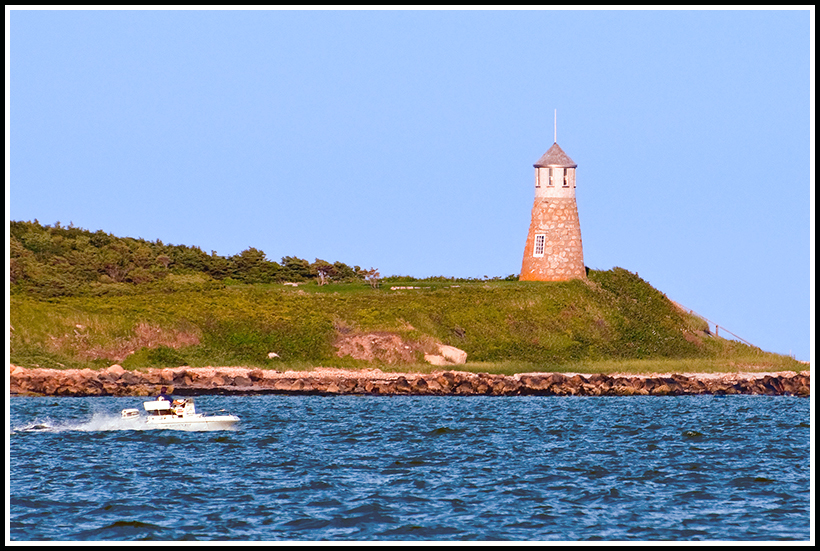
[180, 415]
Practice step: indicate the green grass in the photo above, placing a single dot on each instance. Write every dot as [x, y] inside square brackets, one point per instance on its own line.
[613, 322]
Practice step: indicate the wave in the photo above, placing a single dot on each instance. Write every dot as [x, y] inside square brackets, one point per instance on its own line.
[98, 422]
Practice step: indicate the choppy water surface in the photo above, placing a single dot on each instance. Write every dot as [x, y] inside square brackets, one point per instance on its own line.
[416, 468]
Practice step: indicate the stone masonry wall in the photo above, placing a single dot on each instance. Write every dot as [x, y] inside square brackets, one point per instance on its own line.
[193, 381]
[563, 258]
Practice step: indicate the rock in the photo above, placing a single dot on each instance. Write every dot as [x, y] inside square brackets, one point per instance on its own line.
[152, 376]
[452, 354]
[402, 385]
[218, 380]
[445, 379]
[111, 374]
[241, 380]
[464, 388]
[435, 359]
[116, 369]
[557, 378]
[347, 386]
[141, 390]
[183, 378]
[773, 384]
[116, 381]
[166, 376]
[447, 355]
[283, 384]
[131, 378]
[505, 386]
[576, 385]
[433, 386]
[420, 385]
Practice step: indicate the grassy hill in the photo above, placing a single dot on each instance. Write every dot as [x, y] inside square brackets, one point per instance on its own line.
[614, 321]
[90, 299]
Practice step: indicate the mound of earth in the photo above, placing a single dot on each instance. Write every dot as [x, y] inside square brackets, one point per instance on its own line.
[387, 348]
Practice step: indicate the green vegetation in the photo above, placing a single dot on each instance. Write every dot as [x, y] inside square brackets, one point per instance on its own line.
[82, 299]
[51, 261]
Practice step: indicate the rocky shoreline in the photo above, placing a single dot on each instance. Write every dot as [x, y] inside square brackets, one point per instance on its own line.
[188, 381]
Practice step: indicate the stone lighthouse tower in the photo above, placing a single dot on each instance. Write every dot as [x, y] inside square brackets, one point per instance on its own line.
[553, 251]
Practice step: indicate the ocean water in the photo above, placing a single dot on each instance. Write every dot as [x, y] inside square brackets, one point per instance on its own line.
[416, 468]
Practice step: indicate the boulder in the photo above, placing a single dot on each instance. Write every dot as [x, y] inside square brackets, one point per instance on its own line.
[112, 374]
[283, 384]
[116, 368]
[241, 380]
[464, 388]
[505, 386]
[152, 376]
[166, 376]
[445, 379]
[447, 355]
[433, 386]
[436, 359]
[452, 354]
[773, 383]
[402, 385]
[218, 380]
[132, 378]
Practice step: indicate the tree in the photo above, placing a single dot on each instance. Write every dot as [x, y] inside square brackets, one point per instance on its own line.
[251, 266]
[343, 272]
[372, 276]
[189, 258]
[218, 266]
[296, 268]
[324, 271]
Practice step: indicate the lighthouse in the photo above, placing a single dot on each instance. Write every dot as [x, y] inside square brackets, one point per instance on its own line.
[553, 251]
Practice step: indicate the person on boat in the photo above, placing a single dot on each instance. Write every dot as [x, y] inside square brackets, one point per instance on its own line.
[164, 396]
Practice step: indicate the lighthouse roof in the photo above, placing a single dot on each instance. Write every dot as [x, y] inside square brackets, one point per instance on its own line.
[555, 157]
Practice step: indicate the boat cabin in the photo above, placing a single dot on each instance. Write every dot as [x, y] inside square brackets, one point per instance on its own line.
[164, 407]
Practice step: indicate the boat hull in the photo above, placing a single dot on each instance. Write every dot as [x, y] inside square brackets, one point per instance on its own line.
[216, 422]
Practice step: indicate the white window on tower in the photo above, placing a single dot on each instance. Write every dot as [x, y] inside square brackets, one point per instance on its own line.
[551, 177]
[538, 247]
[566, 177]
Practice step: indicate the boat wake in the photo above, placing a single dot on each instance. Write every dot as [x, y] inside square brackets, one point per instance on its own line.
[98, 422]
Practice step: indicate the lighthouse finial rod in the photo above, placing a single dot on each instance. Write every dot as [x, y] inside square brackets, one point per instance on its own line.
[555, 131]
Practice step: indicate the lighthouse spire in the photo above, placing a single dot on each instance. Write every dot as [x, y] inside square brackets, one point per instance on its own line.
[555, 122]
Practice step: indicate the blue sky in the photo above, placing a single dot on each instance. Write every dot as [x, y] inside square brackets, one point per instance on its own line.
[404, 140]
